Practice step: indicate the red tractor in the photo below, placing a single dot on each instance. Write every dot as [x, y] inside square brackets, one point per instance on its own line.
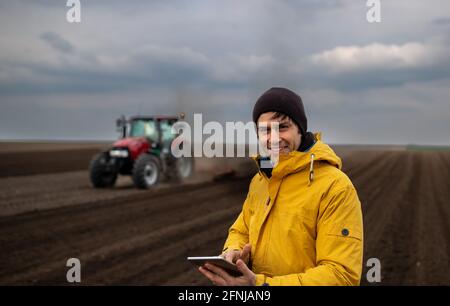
[142, 152]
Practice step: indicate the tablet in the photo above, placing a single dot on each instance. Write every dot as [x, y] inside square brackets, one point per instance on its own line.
[217, 261]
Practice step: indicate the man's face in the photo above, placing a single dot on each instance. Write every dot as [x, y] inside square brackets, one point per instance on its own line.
[289, 138]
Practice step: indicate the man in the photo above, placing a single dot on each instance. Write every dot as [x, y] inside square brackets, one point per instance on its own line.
[301, 223]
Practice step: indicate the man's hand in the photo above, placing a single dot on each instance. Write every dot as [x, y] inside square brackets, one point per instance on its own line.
[219, 277]
[233, 255]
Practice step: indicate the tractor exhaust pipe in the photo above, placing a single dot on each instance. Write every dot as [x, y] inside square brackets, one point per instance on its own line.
[121, 125]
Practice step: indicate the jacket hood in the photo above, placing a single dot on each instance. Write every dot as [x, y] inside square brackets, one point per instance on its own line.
[296, 161]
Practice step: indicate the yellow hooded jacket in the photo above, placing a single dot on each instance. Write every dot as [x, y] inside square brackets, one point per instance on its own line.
[304, 223]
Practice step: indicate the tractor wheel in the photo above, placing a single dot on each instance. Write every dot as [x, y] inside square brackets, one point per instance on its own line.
[184, 167]
[100, 172]
[146, 171]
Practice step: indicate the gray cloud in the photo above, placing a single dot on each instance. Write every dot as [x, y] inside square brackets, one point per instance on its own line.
[57, 42]
[216, 57]
[442, 21]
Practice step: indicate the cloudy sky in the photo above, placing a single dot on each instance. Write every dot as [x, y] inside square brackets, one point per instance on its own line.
[361, 82]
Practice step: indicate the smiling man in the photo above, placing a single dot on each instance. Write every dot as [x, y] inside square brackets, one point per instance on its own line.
[301, 223]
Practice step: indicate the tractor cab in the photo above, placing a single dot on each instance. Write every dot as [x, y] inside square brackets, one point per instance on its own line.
[146, 132]
[154, 128]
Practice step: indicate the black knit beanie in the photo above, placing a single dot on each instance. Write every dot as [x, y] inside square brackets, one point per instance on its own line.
[284, 101]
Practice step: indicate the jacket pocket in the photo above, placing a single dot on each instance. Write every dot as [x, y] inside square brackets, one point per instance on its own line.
[345, 231]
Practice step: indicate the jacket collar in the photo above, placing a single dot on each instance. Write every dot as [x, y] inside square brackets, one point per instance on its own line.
[296, 161]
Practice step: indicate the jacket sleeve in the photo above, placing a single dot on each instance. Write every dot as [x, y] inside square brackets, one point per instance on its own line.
[339, 245]
[238, 232]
